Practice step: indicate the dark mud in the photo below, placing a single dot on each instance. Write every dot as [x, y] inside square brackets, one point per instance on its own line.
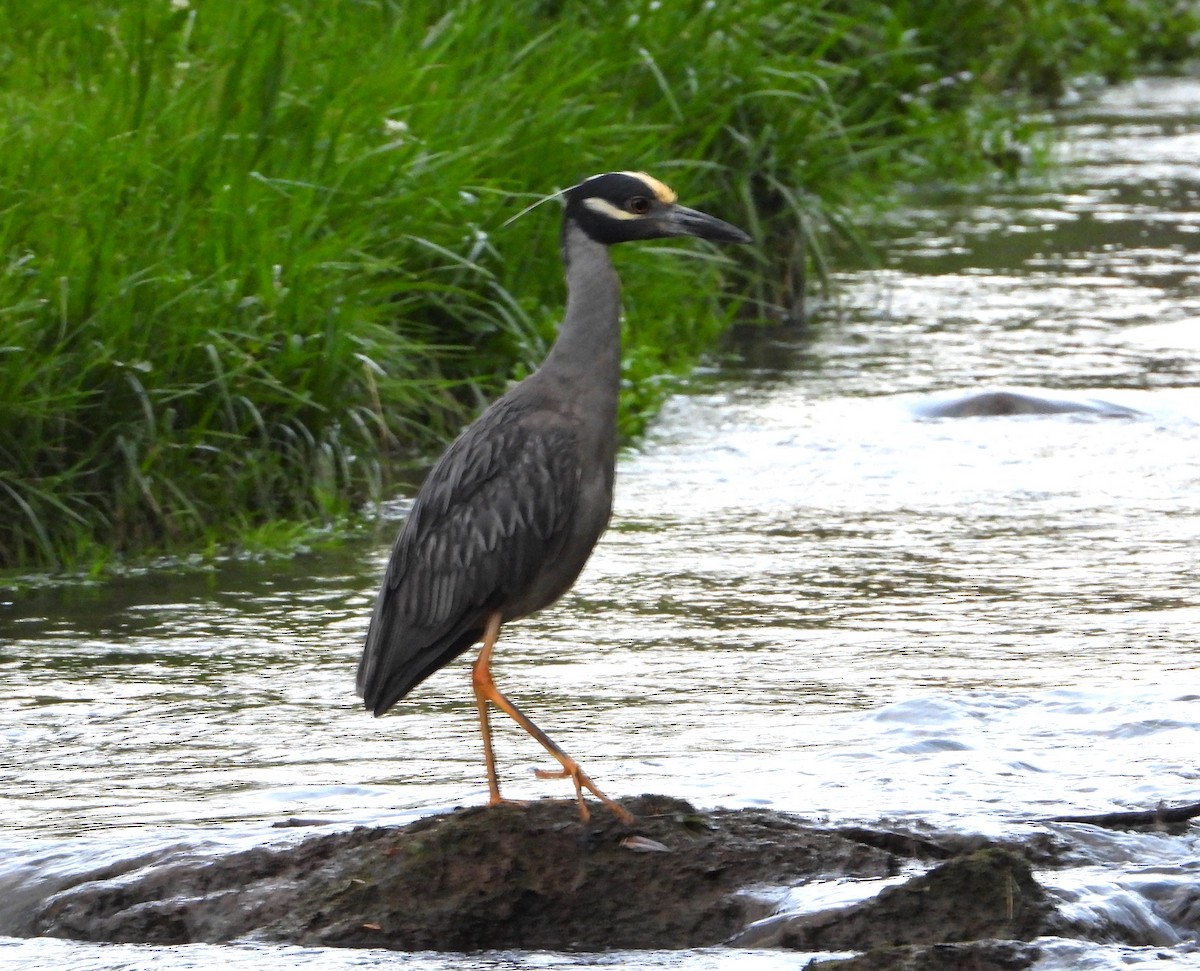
[536, 877]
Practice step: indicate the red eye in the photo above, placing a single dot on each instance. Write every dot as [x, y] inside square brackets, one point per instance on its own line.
[638, 205]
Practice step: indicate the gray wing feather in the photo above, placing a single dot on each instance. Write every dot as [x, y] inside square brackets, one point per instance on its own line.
[493, 511]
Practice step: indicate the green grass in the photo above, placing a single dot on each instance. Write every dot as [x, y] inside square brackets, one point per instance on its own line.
[251, 253]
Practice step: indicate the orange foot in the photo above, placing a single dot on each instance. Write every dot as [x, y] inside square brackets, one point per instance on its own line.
[571, 770]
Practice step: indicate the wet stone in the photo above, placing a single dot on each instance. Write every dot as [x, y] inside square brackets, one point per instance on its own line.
[987, 894]
[536, 877]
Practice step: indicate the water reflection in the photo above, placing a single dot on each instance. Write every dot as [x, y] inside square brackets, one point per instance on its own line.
[808, 598]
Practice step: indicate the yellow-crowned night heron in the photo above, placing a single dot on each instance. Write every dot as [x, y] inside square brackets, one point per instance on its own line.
[507, 518]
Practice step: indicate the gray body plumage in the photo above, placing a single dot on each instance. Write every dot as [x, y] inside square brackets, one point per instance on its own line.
[507, 518]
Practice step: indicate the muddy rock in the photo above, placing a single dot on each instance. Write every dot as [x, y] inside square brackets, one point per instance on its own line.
[535, 877]
[505, 877]
[987, 894]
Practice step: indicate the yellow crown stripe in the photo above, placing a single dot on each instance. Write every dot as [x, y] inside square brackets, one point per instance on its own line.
[664, 192]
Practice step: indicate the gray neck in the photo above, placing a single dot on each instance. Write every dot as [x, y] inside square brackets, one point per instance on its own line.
[589, 340]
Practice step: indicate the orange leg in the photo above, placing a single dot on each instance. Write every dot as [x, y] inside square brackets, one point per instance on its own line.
[486, 692]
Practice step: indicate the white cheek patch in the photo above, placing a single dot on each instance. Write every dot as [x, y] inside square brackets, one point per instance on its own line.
[606, 208]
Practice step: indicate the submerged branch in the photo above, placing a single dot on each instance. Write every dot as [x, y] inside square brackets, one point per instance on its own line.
[1161, 815]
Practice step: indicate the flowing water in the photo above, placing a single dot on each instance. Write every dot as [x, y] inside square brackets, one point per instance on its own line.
[813, 597]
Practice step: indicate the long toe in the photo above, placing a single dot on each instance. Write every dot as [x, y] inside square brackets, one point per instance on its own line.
[579, 777]
[581, 781]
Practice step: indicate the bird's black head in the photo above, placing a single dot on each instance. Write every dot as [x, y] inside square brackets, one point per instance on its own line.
[620, 206]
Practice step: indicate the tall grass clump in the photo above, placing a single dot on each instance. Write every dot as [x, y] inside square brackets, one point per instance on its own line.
[251, 252]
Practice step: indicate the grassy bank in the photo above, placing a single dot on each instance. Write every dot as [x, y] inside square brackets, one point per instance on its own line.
[249, 253]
